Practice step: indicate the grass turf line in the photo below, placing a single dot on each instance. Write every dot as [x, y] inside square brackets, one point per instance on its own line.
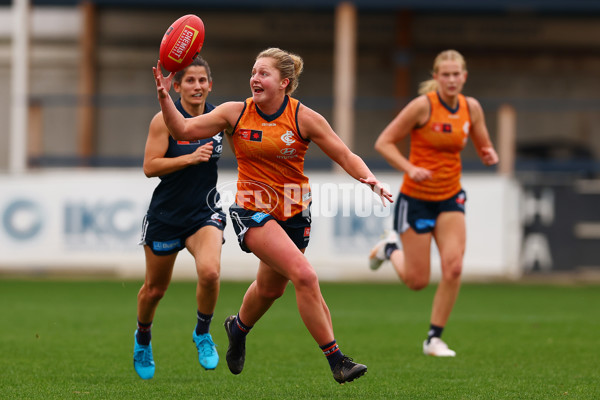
[63, 340]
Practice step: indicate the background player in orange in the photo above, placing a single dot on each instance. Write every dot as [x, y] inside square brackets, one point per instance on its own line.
[271, 133]
[184, 212]
[431, 201]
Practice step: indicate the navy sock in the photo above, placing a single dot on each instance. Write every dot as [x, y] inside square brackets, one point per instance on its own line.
[203, 324]
[144, 333]
[434, 331]
[389, 249]
[332, 352]
[239, 330]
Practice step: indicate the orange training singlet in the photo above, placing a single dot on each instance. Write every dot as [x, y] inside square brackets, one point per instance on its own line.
[270, 155]
[436, 146]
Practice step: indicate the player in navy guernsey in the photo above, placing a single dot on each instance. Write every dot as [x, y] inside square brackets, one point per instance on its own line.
[184, 212]
[186, 196]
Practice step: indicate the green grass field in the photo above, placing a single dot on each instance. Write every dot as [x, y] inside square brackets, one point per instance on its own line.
[74, 340]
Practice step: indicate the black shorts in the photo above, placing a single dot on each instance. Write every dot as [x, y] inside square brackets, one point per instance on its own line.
[296, 227]
[421, 215]
[164, 239]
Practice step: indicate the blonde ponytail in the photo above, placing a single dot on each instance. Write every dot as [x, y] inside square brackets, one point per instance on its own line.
[427, 86]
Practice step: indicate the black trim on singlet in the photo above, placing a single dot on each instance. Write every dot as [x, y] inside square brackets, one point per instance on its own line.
[469, 110]
[277, 114]
[238, 120]
[419, 126]
[446, 106]
[298, 125]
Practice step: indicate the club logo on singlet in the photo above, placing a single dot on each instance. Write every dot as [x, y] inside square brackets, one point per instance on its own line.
[466, 127]
[288, 138]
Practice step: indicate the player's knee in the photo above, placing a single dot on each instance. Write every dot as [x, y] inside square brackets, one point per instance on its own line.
[452, 274]
[208, 275]
[270, 292]
[452, 270]
[417, 283]
[306, 278]
[155, 293]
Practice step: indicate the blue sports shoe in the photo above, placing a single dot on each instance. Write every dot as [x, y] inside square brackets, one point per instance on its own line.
[143, 362]
[207, 350]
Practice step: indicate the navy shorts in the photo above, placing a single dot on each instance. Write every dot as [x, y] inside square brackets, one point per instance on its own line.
[421, 215]
[164, 239]
[296, 227]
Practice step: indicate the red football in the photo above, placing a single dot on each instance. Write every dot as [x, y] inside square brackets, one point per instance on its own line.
[181, 43]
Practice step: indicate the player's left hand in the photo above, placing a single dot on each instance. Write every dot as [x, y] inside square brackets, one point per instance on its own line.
[378, 188]
[488, 156]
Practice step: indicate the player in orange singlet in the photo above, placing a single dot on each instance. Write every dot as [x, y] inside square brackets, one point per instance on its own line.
[271, 216]
[431, 201]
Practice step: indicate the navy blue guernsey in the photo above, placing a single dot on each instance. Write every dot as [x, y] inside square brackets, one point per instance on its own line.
[184, 197]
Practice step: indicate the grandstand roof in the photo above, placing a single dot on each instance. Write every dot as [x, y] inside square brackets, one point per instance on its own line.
[425, 5]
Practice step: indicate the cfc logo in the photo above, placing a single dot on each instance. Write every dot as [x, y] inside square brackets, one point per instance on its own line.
[288, 138]
[466, 128]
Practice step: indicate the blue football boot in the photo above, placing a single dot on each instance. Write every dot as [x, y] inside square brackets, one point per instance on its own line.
[143, 362]
[207, 350]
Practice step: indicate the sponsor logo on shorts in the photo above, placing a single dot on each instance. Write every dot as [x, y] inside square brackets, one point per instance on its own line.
[259, 216]
[166, 246]
[424, 223]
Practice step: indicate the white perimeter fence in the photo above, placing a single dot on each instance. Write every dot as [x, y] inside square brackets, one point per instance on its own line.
[89, 222]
